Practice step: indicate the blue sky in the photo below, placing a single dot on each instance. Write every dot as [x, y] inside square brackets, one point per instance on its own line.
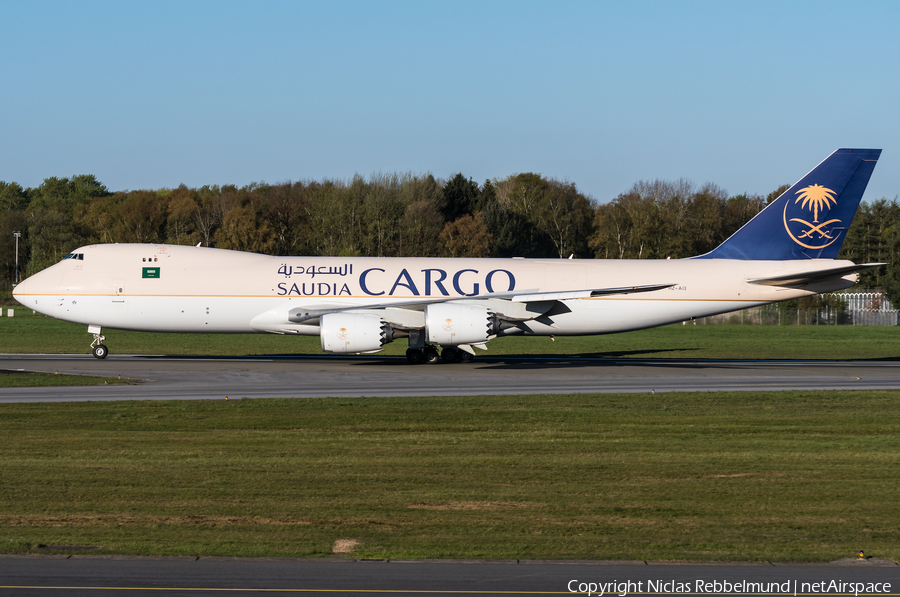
[748, 95]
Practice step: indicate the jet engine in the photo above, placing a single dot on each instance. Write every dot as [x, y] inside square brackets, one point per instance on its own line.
[451, 324]
[353, 332]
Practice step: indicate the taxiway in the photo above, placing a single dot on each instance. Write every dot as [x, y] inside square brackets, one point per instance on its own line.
[211, 378]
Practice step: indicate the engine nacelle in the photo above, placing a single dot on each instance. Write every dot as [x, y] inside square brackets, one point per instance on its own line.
[353, 332]
[450, 324]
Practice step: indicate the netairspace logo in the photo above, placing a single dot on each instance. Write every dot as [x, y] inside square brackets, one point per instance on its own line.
[720, 587]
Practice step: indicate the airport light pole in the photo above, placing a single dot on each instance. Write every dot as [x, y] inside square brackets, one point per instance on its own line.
[17, 235]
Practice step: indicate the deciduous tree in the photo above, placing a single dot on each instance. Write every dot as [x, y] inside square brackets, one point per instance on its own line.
[465, 237]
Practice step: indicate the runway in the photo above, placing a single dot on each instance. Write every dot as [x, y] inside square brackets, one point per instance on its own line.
[86, 575]
[214, 378]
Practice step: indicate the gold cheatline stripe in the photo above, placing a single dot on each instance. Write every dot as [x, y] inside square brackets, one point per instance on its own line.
[385, 297]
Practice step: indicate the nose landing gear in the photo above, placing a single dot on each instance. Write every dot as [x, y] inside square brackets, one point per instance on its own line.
[97, 347]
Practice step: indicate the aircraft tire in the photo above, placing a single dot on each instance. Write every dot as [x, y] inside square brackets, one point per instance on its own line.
[466, 357]
[100, 351]
[415, 356]
[431, 356]
[450, 354]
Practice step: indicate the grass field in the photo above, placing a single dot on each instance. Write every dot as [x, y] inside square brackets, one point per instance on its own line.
[21, 379]
[780, 476]
[39, 334]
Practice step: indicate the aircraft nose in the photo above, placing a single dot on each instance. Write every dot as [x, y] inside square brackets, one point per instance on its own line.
[21, 290]
[41, 284]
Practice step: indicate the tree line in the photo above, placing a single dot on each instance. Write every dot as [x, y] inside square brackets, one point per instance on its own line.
[387, 215]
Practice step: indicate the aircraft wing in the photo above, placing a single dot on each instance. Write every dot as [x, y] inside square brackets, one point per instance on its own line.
[542, 301]
[577, 294]
[804, 278]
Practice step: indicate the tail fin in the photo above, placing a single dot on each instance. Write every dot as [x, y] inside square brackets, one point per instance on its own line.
[810, 219]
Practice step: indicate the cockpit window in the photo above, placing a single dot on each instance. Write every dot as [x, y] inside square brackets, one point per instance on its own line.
[79, 256]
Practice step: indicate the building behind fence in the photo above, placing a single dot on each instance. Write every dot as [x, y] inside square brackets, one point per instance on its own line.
[868, 307]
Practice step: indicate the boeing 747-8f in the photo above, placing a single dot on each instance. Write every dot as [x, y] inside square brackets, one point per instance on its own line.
[359, 304]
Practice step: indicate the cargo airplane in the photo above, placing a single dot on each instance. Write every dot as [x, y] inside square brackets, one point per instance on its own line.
[359, 304]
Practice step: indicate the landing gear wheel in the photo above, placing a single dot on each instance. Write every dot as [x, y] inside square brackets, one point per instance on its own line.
[466, 357]
[415, 356]
[100, 351]
[450, 355]
[431, 355]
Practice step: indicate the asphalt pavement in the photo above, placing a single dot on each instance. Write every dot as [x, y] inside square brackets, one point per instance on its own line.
[54, 576]
[212, 378]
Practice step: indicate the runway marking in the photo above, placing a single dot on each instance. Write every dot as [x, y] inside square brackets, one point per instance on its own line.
[404, 591]
[247, 590]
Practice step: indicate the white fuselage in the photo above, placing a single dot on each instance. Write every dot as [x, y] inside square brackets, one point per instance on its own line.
[168, 288]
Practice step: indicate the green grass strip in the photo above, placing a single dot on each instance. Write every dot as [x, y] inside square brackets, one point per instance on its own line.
[24, 379]
[776, 476]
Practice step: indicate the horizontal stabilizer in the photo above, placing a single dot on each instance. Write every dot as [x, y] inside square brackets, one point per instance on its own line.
[804, 278]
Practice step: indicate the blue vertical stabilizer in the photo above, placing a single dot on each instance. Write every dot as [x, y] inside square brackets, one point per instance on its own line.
[810, 219]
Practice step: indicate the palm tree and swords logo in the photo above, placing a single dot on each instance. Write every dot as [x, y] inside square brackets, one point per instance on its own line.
[813, 235]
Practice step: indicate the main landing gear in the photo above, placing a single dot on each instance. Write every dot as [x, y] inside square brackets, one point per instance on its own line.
[452, 354]
[417, 356]
[429, 355]
[97, 347]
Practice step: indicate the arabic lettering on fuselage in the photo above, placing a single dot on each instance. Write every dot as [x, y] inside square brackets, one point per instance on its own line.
[312, 271]
[376, 281]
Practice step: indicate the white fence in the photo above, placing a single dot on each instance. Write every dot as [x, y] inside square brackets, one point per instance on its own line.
[869, 307]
